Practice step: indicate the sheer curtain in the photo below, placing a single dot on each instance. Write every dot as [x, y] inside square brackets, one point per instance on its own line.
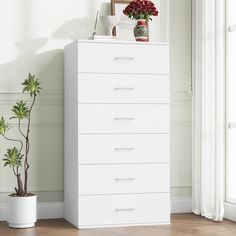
[208, 108]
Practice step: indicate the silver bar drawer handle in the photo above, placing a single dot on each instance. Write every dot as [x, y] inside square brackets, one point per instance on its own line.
[124, 118]
[124, 179]
[124, 149]
[124, 88]
[124, 58]
[125, 209]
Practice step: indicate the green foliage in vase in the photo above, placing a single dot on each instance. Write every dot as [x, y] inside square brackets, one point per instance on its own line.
[31, 85]
[4, 126]
[12, 158]
[20, 110]
[17, 158]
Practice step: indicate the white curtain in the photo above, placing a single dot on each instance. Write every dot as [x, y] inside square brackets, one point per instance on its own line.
[208, 108]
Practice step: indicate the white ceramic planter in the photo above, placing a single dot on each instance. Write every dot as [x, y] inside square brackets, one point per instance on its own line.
[22, 211]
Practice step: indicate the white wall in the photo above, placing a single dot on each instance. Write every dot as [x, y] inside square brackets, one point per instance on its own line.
[33, 34]
[180, 69]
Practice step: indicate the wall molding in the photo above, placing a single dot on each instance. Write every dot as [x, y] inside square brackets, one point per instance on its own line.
[49, 102]
[181, 186]
[44, 98]
[61, 124]
[181, 97]
[35, 189]
[54, 210]
[60, 188]
[54, 98]
[45, 210]
[176, 97]
[47, 124]
[45, 92]
[174, 124]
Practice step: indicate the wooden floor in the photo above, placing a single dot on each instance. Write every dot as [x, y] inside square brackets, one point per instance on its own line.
[182, 224]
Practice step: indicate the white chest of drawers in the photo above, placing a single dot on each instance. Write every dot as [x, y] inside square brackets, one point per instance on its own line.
[116, 134]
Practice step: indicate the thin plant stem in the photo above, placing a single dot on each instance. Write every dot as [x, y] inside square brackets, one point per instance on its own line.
[14, 140]
[14, 171]
[26, 165]
[19, 128]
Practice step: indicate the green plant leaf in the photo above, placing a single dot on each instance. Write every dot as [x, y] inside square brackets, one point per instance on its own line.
[13, 157]
[20, 110]
[4, 126]
[31, 85]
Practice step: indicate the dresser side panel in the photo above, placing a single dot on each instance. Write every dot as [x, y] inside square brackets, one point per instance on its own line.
[71, 134]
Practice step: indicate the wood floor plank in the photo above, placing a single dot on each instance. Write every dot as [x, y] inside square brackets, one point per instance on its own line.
[182, 225]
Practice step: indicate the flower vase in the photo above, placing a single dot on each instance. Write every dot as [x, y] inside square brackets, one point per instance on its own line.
[141, 31]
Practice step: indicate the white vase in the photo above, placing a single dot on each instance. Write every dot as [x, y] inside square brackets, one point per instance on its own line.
[22, 211]
[110, 22]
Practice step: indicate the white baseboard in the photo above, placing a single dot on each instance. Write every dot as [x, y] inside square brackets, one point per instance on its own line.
[3, 211]
[230, 211]
[181, 205]
[50, 210]
[45, 210]
[53, 210]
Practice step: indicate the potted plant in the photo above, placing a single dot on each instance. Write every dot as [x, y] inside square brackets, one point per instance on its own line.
[141, 10]
[22, 204]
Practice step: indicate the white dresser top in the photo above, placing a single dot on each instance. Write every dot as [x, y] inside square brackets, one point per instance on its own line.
[120, 42]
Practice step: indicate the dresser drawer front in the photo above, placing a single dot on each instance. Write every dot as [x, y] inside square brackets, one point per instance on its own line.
[130, 178]
[124, 209]
[123, 58]
[123, 88]
[123, 148]
[123, 118]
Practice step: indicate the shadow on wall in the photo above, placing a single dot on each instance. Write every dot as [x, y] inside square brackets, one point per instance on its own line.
[47, 66]
[31, 45]
[82, 28]
[75, 29]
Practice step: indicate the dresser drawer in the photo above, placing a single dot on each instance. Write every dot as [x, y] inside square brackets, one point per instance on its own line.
[123, 58]
[123, 88]
[123, 118]
[129, 178]
[123, 148]
[105, 210]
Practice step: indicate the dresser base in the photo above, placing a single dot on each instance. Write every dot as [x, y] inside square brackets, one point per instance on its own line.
[123, 225]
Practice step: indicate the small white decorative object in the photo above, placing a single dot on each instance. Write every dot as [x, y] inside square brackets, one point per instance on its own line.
[110, 22]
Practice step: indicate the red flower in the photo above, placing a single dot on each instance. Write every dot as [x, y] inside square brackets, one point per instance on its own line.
[141, 9]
